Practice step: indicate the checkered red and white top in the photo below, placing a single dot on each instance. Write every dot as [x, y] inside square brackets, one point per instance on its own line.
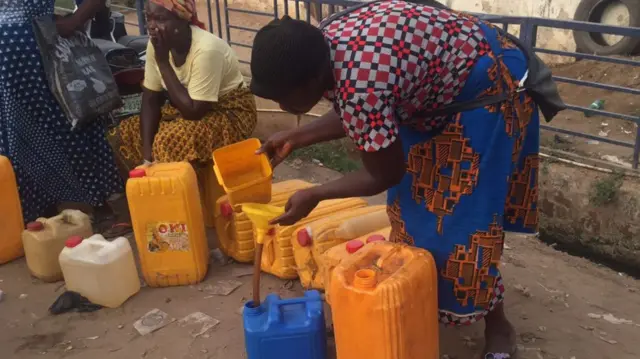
[393, 58]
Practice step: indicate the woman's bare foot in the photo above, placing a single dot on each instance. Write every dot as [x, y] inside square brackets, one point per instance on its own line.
[500, 336]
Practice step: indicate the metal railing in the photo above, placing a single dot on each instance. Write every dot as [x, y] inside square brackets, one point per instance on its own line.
[528, 31]
[529, 36]
[114, 7]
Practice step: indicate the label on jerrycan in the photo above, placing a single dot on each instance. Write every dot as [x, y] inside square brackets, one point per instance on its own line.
[167, 236]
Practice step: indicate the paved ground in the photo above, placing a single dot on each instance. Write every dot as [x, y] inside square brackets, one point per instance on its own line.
[554, 300]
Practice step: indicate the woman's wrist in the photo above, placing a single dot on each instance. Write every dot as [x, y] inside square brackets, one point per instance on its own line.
[163, 65]
[147, 154]
[305, 136]
[73, 21]
[296, 138]
[316, 193]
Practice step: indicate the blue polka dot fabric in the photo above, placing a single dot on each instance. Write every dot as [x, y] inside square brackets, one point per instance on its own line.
[53, 164]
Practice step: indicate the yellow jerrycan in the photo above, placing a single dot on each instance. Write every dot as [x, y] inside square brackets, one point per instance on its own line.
[311, 241]
[233, 227]
[11, 220]
[166, 214]
[45, 238]
[277, 256]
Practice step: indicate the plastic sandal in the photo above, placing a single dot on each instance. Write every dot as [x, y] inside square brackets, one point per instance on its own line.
[118, 230]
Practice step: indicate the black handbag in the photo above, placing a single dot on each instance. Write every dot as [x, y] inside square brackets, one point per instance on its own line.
[538, 81]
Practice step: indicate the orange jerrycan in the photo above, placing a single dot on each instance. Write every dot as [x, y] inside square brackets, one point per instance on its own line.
[336, 254]
[45, 238]
[234, 229]
[245, 176]
[312, 240]
[384, 303]
[166, 214]
[277, 255]
[11, 220]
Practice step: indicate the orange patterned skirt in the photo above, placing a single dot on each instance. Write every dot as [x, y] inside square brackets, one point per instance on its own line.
[233, 119]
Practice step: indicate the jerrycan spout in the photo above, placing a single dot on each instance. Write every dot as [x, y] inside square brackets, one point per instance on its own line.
[260, 214]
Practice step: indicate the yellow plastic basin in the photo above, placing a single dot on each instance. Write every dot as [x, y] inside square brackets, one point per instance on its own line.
[245, 176]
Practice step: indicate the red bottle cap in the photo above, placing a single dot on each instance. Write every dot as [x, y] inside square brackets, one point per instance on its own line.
[73, 241]
[271, 232]
[137, 173]
[35, 226]
[304, 238]
[375, 238]
[226, 210]
[354, 245]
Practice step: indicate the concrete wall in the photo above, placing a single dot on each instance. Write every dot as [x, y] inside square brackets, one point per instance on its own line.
[547, 38]
[573, 214]
[553, 9]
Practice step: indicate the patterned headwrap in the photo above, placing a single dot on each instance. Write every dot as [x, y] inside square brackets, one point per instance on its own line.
[185, 9]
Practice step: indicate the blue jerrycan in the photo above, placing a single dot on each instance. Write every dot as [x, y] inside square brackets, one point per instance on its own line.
[286, 328]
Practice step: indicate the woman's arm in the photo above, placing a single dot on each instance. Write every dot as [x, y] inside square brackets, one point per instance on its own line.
[190, 109]
[382, 170]
[86, 11]
[149, 120]
[326, 128]
[279, 146]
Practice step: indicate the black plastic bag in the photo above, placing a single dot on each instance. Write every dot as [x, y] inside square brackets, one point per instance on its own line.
[72, 302]
[77, 72]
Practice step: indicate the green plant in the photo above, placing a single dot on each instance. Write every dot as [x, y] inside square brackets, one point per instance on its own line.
[606, 190]
[545, 167]
[336, 155]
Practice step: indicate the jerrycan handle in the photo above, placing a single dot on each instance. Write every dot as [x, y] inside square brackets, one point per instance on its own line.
[311, 306]
[67, 218]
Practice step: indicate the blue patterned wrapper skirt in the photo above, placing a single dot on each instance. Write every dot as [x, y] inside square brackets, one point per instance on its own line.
[470, 183]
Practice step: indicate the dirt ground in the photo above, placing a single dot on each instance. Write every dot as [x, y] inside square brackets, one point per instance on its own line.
[554, 300]
[622, 130]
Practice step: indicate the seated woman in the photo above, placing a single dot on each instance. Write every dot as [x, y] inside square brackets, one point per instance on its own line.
[209, 104]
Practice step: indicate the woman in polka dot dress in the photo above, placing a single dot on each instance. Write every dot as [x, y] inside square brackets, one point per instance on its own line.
[52, 163]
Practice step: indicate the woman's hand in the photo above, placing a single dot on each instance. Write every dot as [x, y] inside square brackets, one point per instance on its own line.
[147, 153]
[326, 128]
[66, 25]
[160, 45]
[279, 146]
[298, 207]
